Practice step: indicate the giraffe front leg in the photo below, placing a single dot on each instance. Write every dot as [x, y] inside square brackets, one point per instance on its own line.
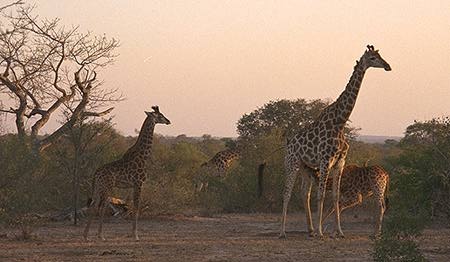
[101, 211]
[291, 176]
[90, 213]
[136, 200]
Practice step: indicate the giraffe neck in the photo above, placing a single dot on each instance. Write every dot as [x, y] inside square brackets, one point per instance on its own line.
[145, 139]
[144, 143]
[346, 101]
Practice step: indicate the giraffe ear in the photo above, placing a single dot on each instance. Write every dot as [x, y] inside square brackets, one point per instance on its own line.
[155, 108]
[147, 113]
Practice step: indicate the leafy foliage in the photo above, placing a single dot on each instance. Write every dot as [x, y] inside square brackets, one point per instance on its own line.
[282, 114]
[387, 249]
[32, 184]
[288, 116]
[422, 189]
[426, 157]
[20, 171]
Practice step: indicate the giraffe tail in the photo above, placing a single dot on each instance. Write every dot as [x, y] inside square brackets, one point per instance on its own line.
[386, 193]
[261, 168]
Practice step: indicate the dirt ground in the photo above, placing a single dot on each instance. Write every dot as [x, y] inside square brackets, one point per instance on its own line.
[230, 237]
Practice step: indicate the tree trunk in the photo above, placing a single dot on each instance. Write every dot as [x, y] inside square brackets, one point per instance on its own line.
[76, 182]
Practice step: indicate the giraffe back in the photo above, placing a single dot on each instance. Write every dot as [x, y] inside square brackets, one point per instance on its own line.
[361, 182]
[222, 161]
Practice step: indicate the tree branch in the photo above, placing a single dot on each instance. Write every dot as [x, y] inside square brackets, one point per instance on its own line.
[53, 69]
[19, 2]
[98, 114]
[10, 111]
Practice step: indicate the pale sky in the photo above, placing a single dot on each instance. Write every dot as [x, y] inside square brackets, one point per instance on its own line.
[207, 62]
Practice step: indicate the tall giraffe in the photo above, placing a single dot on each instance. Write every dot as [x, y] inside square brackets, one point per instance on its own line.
[128, 172]
[323, 147]
[361, 182]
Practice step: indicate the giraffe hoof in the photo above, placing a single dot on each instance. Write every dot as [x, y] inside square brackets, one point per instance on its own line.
[319, 236]
[102, 238]
[339, 236]
[282, 236]
[375, 237]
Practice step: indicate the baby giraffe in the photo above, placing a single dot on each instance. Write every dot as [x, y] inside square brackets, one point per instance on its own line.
[128, 172]
[360, 183]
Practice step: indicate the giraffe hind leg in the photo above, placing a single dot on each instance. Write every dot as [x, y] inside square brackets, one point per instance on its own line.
[337, 175]
[136, 200]
[379, 194]
[324, 170]
[306, 198]
[101, 211]
[291, 176]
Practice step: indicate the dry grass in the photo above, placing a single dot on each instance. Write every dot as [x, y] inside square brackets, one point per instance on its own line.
[231, 237]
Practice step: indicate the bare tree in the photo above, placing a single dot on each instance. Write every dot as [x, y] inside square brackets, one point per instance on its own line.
[9, 4]
[48, 68]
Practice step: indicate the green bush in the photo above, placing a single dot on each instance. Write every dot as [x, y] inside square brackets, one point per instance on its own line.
[21, 185]
[391, 249]
[420, 184]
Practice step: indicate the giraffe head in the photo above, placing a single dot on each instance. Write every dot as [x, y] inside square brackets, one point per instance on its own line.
[158, 117]
[372, 58]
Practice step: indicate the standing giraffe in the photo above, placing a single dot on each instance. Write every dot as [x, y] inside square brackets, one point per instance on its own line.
[323, 147]
[128, 172]
[358, 183]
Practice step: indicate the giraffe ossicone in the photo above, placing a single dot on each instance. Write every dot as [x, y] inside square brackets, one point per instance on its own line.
[322, 147]
[130, 171]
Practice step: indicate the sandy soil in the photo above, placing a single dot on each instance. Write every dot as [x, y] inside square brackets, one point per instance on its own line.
[230, 237]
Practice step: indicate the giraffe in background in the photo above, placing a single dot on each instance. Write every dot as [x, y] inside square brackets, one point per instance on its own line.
[221, 162]
[219, 165]
[322, 147]
[128, 172]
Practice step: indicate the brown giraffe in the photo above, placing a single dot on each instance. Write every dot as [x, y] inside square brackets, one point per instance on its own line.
[128, 172]
[322, 146]
[221, 162]
[218, 165]
[358, 183]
